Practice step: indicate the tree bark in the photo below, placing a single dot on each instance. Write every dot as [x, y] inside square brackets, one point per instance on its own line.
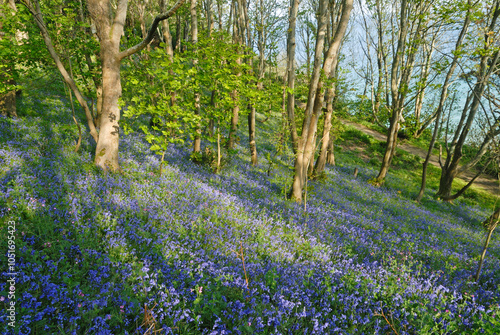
[167, 36]
[109, 34]
[306, 138]
[330, 158]
[319, 167]
[451, 168]
[109, 28]
[251, 116]
[238, 38]
[197, 106]
[292, 23]
[444, 95]
[401, 76]
[8, 99]
[251, 136]
[306, 142]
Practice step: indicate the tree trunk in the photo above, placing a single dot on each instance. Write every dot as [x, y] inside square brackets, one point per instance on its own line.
[305, 142]
[261, 42]
[380, 62]
[209, 16]
[251, 116]
[234, 119]
[178, 34]
[451, 168]
[237, 38]
[330, 158]
[8, 99]
[197, 106]
[428, 51]
[292, 23]
[37, 15]
[167, 36]
[251, 136]
[109, 34]
[397, 102]
[319, 167]
[109, 27]
[444, 95]
[446, 182]
[107, 146]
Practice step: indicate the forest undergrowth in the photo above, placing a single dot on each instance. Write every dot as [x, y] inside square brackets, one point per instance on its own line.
[192, 252]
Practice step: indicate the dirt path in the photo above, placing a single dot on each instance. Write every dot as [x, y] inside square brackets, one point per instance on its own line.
[484, 182]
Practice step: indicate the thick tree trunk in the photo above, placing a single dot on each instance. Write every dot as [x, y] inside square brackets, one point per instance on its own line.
[109, 28]
[107, 146]
[446, 183]
[305, 142]
[109, 34]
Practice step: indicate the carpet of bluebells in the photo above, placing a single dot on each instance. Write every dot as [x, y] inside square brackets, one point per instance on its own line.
[94, 250]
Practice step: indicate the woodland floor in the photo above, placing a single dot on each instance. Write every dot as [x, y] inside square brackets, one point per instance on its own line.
[484, 181]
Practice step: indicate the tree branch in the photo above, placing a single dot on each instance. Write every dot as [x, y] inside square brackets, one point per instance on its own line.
[37, 15]
[151, 32]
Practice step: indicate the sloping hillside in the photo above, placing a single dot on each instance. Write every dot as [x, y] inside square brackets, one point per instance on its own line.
[226, 254]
